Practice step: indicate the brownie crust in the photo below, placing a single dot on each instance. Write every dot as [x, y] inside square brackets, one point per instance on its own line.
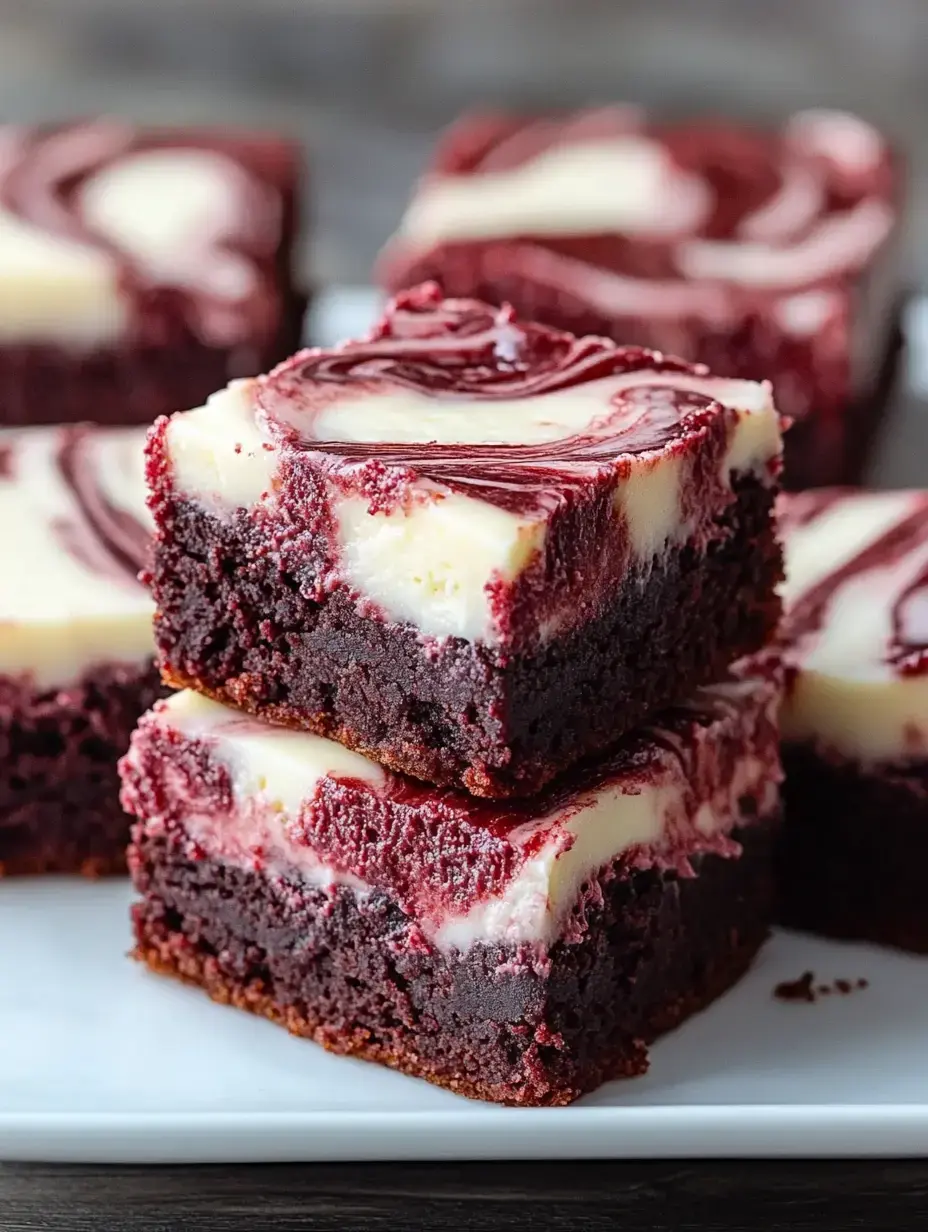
[231, 625]
[853, 849]
[496, 1023]
[59, 790]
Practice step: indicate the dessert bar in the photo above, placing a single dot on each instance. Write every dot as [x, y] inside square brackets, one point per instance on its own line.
[855, 723]
[141, 268]
[76, 656]
[522, 952]
[472, 548]
[762, 254]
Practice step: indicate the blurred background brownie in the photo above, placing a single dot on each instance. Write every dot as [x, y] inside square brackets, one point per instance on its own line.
[855, 721]
[76, 654]
[764, 254]
[140, 267]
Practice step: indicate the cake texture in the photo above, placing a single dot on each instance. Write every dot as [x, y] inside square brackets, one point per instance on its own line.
[141, 268]
[855, 721]
[475, 549]
[522, 952]
[762, 254]
[76, 656]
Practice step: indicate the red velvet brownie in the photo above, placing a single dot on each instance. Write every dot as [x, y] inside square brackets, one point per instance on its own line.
[76, 655]
[523, 952]
[473, 548]
[855, 723]
[140, 269]
[761, 254]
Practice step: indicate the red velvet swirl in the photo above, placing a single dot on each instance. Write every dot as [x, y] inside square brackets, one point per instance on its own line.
[466, 350]
[907, 648]
[772, 189]
[106, 539]
[44, 170]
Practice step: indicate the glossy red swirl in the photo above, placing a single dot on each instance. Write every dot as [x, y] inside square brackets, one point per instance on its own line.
[466, 350]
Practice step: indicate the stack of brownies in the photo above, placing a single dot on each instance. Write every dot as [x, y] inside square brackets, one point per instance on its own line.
[461, 777]
[473, 767]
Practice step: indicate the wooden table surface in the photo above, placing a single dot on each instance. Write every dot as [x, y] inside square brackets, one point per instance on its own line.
[705, 1197]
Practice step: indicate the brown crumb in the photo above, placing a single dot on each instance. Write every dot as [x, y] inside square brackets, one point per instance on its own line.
[805, 988]
[796, 990]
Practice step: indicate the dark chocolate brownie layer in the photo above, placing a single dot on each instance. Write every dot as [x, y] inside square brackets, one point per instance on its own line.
[130, 383]
[489, 1023]
[851, 860]
[59, 791]
[231, 625]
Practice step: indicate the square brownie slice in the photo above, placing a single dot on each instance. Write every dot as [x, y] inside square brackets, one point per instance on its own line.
[76, 655]
[473, 548]
[141, 268]
[764, 254]
[522, 952]
[855, 721]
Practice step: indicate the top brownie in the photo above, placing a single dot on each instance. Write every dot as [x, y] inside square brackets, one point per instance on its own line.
[761, 254]
[140, 268]
[474, 548]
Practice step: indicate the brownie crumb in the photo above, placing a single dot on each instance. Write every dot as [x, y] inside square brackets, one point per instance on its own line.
[796, 990]
[847, 986]
[805, 988]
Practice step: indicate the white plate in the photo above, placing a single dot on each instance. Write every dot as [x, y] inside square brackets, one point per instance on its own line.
[102, 1061]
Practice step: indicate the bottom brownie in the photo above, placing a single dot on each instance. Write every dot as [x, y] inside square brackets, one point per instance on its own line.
[515, 1024]
[59, 790]
[853, 849]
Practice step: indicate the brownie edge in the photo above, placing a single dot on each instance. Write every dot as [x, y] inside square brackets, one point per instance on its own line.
[59, 790]
[854, 847]
[501, 1023]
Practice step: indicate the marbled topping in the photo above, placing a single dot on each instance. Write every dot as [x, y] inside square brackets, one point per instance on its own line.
[660, 205]
[78, 532]
[466, 870]
[471, 397]
[459, 452]
[106, 529]
[857, 620]
[107, 230]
